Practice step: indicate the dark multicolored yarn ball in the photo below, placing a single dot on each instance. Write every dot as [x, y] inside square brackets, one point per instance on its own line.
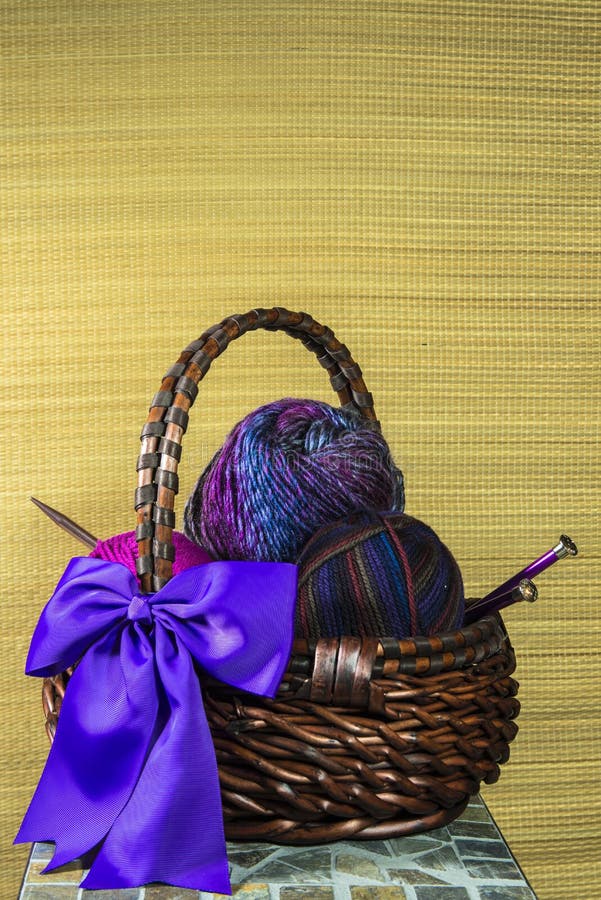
[377, 574]
[284, 471]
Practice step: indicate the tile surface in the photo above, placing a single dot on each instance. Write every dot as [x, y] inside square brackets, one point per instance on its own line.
[466, 860]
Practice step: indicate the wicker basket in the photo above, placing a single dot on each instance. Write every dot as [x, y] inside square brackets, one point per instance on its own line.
[366, 738]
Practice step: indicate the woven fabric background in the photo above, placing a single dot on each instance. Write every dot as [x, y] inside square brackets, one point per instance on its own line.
[422, 176]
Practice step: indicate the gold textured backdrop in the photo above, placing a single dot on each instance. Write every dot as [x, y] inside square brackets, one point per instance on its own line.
[423, 177]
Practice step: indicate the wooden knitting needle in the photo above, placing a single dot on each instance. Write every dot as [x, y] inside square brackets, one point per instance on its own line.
[67, 524]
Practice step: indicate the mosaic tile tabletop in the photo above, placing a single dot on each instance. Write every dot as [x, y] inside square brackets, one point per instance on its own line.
[467, 860]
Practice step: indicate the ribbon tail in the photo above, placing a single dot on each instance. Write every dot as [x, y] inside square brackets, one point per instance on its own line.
[106, 724]
[171, 829]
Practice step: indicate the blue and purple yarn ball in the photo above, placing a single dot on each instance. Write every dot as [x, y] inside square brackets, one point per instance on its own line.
[285, 470]
[377, 574]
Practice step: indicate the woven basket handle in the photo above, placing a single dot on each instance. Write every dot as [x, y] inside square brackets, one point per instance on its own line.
[168, 419]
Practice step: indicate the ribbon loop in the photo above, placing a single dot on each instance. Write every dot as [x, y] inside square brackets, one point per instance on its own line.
[132, 775]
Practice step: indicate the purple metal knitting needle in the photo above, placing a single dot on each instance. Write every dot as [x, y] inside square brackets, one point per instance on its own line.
[524, 590]
[566, 547]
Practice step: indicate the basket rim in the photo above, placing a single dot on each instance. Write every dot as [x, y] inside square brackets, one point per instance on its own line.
[484, 630]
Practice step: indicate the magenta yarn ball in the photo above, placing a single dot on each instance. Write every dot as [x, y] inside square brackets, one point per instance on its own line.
[123, 548]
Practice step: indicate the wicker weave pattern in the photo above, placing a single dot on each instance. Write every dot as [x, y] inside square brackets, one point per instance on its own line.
[372, 752]
[367, 737]
[358, 743]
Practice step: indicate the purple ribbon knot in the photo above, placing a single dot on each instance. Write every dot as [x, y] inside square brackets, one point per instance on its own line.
[131, 776]
[139, 609]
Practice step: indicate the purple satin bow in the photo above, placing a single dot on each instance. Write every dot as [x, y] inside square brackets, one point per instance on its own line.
[132, 773]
